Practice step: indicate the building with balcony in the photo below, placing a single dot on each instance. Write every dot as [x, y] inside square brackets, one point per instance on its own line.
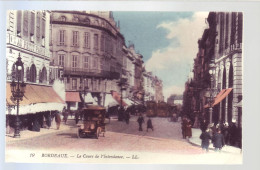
[228, 59]
[137, 90]
[149, 86]
[222, 44]
[87, 53]
[158, 89]
[27, 36]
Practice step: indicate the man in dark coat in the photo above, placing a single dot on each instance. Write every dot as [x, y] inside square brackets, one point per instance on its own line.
[183, 127]
[77, 113]
[218, 140]
[203, 125]
[140, 121]
[149, 124]
[48, 120]
[233, 134]
[65, 116]
[188, 128]
[205, 137]
[127, 117]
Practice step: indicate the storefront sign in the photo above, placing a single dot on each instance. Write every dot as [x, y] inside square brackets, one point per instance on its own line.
[21, 43]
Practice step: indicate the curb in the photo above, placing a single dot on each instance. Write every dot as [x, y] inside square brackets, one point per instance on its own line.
[212, 148]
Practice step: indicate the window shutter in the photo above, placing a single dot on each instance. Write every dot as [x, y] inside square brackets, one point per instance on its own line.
[25, 23]
[43, 27]
[19, 20]
[32, 23]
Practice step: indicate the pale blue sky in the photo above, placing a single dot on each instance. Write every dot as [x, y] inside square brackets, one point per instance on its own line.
[167, 41]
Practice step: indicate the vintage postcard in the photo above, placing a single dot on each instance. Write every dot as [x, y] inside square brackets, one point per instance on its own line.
[135, 87]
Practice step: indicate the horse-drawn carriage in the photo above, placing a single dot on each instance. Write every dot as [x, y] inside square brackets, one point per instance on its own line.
[93, 121]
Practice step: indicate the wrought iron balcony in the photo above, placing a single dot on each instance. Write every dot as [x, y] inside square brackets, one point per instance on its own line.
[90, 73]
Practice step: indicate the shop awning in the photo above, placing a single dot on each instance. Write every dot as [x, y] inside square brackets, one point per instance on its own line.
[35, 94]
[110, 101]
[72, 97]
[90, 99]
[222, 95]
[239, 104]
[128, 101]
[36, 99]
[117, 97]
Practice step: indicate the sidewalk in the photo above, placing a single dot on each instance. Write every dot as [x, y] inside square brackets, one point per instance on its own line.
[27, 134]
[195, 140]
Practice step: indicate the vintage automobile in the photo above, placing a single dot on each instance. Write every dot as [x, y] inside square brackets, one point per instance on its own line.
[93, 121]
[151, 108]
[162, 109]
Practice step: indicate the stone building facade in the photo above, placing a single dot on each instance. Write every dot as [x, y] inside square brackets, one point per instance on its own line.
[28, 34]
[88, 51]
[228, 59]
[220, 44]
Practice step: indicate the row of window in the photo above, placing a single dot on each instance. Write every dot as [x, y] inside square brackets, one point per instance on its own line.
[26, 24]
[31, 74]
[91, 85]
[86, 61]
[103, 43]
[86, 21]
[227, 33]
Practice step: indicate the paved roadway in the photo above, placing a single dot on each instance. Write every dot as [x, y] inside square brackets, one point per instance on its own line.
[163, 145]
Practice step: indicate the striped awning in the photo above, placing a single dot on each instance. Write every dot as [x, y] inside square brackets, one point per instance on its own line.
[72, 97]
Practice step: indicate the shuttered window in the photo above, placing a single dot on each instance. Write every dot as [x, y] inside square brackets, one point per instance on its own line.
[240, 27]
[25, 23]
[19, 22]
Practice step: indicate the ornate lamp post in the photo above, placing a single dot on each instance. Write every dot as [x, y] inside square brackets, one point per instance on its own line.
[211, 90]
[84, 91]
[122, 84]
[17, 89]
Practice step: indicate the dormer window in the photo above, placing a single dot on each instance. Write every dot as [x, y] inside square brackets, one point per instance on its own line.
[63, 18]
[86, 21]
[76, 19]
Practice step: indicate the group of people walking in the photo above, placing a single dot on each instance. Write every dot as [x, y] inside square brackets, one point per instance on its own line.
[219, 134]
[140, 121]
[217, 139]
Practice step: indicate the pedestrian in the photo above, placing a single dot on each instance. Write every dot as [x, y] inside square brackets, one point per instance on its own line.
[149, 124]
[77, 113]
[48, 120]
[57, 120]
[65, 116]
[225, 133]
[121, 113]
[203, 125]
[188, 128]
[127, 117]
[183, 127]
[218, 140]
[140, 121]
[233, 133]
[205, 138]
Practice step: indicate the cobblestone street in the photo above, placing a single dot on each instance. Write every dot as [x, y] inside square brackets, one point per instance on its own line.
[165, 144]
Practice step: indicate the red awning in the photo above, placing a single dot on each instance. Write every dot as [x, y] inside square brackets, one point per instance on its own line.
[117, 97]
[222, 95]
[72, 97]
[35, 94]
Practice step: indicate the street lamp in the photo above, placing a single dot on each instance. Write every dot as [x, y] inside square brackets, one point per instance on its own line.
[211, 89]
[84, 91]
[17, 89]
[122, 84]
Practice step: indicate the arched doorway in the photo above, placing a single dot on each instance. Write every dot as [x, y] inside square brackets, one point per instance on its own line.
[43, 75]
[33, 73]
[223, 103]
[15, 73]
[230, 96]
